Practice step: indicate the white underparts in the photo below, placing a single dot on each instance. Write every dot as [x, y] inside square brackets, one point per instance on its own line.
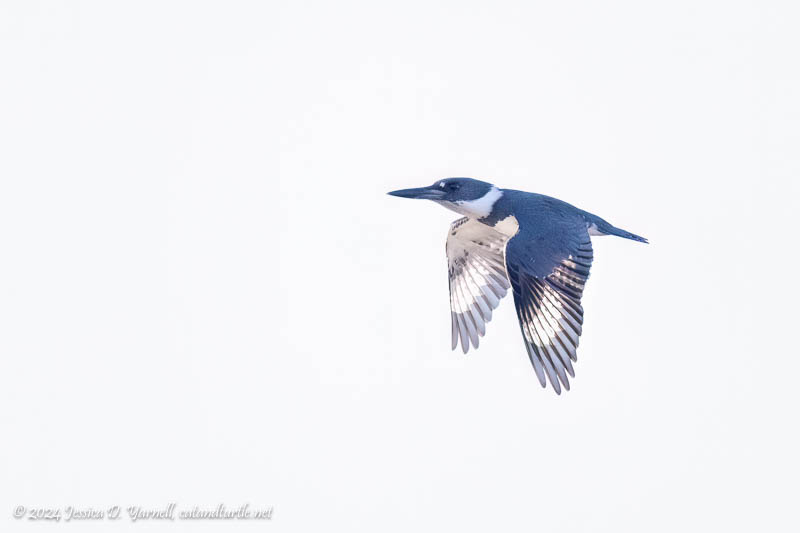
[594, 232]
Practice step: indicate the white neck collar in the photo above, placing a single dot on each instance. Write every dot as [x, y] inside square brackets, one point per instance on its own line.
[480, 208]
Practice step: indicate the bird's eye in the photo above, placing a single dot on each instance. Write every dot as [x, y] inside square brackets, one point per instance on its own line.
[453, 186]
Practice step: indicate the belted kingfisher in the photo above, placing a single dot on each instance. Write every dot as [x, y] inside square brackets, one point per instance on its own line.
[538, 246]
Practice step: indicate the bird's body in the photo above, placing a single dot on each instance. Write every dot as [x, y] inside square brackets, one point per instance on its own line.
[535, 208]
[538, 246]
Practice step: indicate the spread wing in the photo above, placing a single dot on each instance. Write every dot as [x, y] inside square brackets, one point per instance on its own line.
[548, 264]
[477, 275]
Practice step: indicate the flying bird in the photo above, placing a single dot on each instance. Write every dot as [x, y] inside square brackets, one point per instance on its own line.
[535, 245]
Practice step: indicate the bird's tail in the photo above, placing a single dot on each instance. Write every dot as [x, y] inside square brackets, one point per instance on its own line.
[627, 235]
[605, 228]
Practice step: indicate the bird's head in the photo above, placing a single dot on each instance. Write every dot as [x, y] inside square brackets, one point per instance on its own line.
[467, 196]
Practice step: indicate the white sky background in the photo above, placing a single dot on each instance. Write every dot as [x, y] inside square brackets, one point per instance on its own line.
[207, 297]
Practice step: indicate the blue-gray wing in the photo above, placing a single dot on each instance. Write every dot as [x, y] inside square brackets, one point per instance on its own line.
[477, 278]
[548, 263]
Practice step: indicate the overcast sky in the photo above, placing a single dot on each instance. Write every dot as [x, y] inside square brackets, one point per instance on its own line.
[207, 297]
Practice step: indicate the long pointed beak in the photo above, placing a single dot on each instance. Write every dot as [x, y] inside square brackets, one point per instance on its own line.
[420, 193]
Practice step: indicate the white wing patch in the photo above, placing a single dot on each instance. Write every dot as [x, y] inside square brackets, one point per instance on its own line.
[477, 275]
